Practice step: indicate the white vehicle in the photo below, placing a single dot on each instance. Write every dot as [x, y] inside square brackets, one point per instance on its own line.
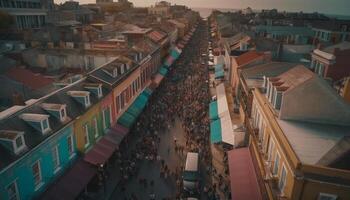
[191, 174]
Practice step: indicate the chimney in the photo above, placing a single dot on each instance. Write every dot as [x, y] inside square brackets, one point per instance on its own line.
[17, 99]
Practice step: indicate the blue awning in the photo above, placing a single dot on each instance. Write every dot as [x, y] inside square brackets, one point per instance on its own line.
[163, 71]
[221, 130]
[215, 131]
[213, 110]
[219, 74]
[219, 67]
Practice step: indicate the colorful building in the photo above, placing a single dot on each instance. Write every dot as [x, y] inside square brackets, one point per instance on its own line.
[298, 139]
[37, 145]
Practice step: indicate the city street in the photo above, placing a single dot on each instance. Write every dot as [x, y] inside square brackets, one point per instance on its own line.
[147, 180]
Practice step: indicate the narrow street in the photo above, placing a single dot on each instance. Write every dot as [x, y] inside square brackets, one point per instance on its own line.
[175, 122]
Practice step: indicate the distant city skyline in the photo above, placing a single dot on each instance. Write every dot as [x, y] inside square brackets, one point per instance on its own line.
[338, 7]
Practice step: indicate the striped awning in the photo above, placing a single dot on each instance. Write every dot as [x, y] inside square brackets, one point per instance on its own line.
[158, 79]
[169, 61]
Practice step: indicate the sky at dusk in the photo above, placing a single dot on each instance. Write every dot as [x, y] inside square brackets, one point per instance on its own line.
[341, 7]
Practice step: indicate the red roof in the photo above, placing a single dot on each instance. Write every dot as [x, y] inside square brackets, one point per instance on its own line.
[156, 36]
[28, 78]
[244, 183]
[248, 57]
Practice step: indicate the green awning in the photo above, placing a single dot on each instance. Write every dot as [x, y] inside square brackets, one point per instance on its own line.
[219, 74]
[148, 91]
[163, 71]
[127, 120]
[141, 101]
[139, 104]
[190, 175]
[215, 131]
[213, 110]
[175, 54]
[134, 110]
[219, 67]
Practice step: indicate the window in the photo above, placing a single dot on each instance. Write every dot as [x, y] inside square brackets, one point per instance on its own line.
[12, 191]
[45, 125]
[271, 147]
[320, 71]
[261, 130]
[37, 174]
[87, 100]
[99, 92]
[325, 196]
[63, 113]
[104, 124]
[19, 142]
[70, 145]
[276, 164]
[55, 159]
[94, 126]
[106, 116]
[86, 135]
[282, 181]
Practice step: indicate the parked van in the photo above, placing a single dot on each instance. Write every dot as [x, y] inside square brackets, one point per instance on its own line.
[191, 173]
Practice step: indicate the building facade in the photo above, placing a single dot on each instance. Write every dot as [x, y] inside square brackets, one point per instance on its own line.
[284, 138]
[27, 14]
[331, 62]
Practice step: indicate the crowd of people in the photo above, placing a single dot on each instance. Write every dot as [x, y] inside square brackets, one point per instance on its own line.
[183, 95]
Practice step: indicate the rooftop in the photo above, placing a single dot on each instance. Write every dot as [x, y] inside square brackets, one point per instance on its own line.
[253, 75]
[248, 57]
[28, 78]
[78, 93]
[341, 46]
[33, 117]
[100, 75]
[33, 137]
[52, 106]
[293, 77]
[311, 142]
[9, 134]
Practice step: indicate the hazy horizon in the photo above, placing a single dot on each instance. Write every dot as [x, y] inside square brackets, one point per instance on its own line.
[339, 7]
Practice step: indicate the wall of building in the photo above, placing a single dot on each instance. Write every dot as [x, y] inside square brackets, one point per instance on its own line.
[87, 118]
[21, 171]
[108, 106]
[266, 137]
[52, 61]
[341, 67]
[313, 188]
[141, 77]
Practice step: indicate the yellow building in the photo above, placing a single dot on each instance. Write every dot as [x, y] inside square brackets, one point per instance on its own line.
[299, 136]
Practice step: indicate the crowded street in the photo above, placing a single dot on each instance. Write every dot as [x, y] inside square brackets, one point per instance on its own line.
[151, 160]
